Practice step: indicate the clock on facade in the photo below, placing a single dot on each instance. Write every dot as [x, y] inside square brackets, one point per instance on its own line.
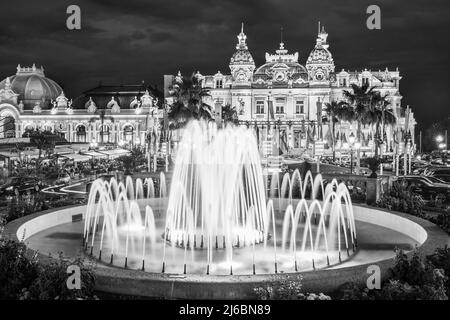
[319, 76]
[280, 76]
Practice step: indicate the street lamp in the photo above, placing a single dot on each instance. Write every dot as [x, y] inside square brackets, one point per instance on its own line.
[353, 144]
[439, 139]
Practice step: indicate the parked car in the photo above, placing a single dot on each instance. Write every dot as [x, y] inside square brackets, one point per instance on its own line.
[438, 170]
[20, 185]
[58, 178]
[430, 179]
[443, 177]
[427, 189]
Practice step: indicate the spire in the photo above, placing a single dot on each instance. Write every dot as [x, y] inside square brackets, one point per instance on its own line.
[281, 39]
[322, 37]
[282, 50]
[242, 39]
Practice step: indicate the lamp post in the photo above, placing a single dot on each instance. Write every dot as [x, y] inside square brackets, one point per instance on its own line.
[439, 140]
[353, 144]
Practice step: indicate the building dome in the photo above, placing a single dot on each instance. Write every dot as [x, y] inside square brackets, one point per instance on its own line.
[32, 87]
[320, 55]
[242, 56]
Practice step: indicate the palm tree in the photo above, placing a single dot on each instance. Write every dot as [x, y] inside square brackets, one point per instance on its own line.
[188, 95]
[385, 116]
[361, 98]
[336, 111]
[229, 114]
[102, 116]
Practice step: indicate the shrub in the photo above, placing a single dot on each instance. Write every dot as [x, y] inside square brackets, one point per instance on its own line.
[17, 271]
[50, 283]
[283, 290]
[401, 198]
[441, 259]
[410, 279]
[287, 290]
[442, 220]
[21, 277]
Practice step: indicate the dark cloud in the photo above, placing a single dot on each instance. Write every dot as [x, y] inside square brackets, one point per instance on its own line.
[135, 40]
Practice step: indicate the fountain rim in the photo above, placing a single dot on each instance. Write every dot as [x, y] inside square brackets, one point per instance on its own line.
[435, 238]
[132, 282]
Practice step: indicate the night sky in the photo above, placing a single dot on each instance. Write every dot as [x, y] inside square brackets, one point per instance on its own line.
[127, 41]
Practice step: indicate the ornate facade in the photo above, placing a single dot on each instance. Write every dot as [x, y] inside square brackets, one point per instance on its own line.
[289, 97]
[29, 100]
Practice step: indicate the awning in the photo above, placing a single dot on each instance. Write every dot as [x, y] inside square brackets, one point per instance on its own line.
[78, 157]
[63, 151]
[115, 153]
[95, 154]
[31, 153]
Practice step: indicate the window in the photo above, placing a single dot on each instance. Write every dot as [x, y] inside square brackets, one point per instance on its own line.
[128, 133]
[299, 107]
[260, 107]
[343, 82]
[219, 84]
[81, 133]
[279, 105]
[365, 81]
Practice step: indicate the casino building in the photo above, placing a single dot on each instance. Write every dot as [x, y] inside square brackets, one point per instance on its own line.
[30, 100]
[296, 93]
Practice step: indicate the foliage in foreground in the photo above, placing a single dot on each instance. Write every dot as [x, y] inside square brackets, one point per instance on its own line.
[409, 279]
[26, 204]
[287, 290]
[401, 198]
[22, 277]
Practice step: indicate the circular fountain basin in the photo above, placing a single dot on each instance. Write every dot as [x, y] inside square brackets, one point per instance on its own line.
[379, 233]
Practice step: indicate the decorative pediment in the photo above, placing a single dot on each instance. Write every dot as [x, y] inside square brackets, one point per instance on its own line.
[135, 103]
[91, 106]
[146, 99]
[260, 81]
[280, 66]
[62, 101]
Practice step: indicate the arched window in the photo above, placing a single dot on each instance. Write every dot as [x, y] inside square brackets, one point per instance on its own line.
[106, 133]
[128, 133]
[81, 133]
[8, 127]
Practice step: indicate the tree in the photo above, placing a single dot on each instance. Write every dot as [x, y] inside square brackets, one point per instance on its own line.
[102, 116]
[336, 111]
[229, 114]
[384, 116]
[132, 160]
[188, 104]
[43, 140]
[361, 98]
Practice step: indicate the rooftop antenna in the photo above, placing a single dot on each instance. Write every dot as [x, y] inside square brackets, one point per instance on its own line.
[242, 27]
[319, 27]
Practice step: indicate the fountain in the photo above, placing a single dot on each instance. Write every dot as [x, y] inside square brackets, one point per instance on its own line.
[222, 214]
[221, 227]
